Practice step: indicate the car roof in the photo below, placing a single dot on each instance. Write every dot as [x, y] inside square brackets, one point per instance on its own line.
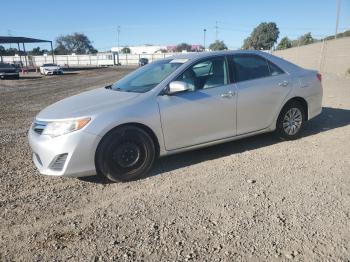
[286, 66]
[198, 55]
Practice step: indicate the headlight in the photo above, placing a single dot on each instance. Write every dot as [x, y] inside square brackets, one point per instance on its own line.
[59, 128]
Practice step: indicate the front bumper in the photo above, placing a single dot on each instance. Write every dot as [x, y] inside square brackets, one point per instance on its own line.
[77, 148]
[53, 72]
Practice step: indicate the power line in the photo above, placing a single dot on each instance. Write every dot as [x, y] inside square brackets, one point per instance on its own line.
[231, 29]
[279, 26]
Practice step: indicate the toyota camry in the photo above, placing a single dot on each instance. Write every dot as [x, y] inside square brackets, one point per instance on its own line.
[173, 105]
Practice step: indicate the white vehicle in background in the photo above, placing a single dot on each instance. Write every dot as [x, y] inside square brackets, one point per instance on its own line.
[51, 69]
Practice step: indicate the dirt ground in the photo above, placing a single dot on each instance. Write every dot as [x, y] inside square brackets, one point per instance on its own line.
[253, 199]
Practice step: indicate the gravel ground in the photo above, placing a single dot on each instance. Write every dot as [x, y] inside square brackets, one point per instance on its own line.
[253, 199]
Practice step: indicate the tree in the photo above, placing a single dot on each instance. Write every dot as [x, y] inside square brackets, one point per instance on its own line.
[306, 39]
[284, 43]
[125, 50]
[2, 50]
[263, 37]
[247, 43]
[344, 34]
[10, 51]
[75, 43]
[340, 35]
[183, 47]
[38, 51]
[217, 46]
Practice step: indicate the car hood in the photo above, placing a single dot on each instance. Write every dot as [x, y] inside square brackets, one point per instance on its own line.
[88, 103]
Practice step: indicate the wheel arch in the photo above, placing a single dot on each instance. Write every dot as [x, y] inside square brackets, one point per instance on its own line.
[300, 100]
[144, 127]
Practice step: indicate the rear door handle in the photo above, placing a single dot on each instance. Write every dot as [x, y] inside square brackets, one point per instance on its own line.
[283, 83]
[229, 94]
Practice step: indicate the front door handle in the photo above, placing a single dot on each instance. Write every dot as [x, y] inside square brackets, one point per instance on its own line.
[283, 83]
[229, 94]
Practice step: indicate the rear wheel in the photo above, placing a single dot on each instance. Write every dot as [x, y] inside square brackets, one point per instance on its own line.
[291, 121]
[126, 153]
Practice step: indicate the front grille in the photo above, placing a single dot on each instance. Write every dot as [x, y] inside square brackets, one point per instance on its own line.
[39, 126]
[58, 163]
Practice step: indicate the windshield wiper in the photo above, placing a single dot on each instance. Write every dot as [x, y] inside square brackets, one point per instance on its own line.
[120, 90]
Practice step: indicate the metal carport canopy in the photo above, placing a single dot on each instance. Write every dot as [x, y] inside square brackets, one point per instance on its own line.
[18, 39]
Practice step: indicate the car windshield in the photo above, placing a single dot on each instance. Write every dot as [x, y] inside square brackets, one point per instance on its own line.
[49, 65]
[147, 77]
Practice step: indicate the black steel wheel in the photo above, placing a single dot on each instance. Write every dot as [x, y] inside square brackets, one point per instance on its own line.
[124, 154]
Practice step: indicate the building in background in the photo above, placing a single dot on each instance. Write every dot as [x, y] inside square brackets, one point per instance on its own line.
[142, 49]
[154, 49]
[194, 48]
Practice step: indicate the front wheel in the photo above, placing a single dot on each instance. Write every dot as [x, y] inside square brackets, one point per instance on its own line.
[124, 154]
[291, 121]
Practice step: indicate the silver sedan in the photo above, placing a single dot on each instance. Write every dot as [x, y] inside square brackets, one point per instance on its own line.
[170, 106]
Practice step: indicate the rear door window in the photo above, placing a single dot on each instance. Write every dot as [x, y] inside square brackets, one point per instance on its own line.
[249, 67]
[274, 70]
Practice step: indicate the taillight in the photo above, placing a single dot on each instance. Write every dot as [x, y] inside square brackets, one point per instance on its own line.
[319, 77]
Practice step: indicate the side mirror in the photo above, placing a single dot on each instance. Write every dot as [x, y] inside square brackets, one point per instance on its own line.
[177, 87]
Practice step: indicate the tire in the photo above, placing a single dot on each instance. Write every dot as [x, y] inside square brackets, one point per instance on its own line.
[291, 121]
[126, 153]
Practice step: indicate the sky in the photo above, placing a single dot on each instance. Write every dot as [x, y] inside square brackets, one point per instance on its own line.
[168, 22]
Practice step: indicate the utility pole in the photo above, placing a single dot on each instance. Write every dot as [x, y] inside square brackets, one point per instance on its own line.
[216, 30]
[204, 31]
[118, 32]
[337, 21]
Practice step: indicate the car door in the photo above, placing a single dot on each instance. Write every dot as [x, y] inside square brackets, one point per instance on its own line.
[204, 113]
[262, 87]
